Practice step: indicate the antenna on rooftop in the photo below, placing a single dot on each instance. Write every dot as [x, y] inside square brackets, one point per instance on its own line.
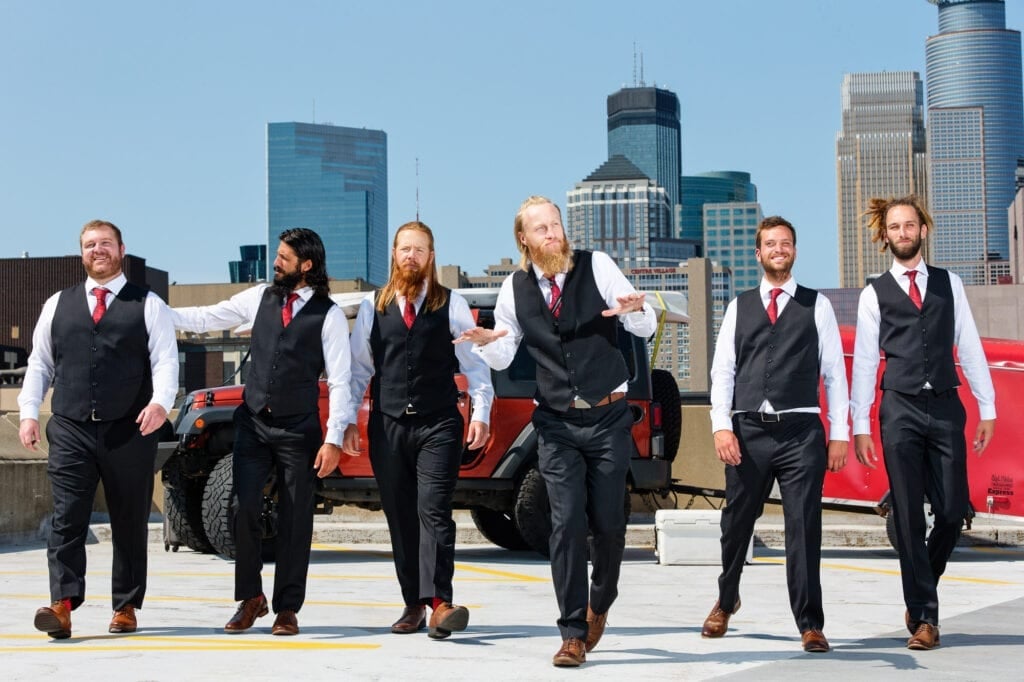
[642, 84]
[634, 63]
[417, 189]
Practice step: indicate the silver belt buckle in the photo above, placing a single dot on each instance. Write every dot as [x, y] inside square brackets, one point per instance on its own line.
[93, 417]
[581, 404]
[770, 417]
[409, 410]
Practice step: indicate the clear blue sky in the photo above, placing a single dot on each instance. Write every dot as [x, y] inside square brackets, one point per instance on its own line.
[153, 114]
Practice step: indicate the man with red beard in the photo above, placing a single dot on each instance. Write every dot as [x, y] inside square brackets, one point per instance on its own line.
[402, 347]
[297, 335]
[917, 314]
[774, 344]
[108, 349]
[565, 305]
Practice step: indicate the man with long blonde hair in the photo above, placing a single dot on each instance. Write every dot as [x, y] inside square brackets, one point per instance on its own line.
[566, 305]
[402, 347]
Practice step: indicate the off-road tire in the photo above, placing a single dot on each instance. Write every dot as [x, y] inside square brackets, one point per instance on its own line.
[219, 509]
[183, 507]
[499, 528]
[665, 390]
[890, 525]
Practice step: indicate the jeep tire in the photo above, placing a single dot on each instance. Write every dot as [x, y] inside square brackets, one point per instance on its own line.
[498, 528]
[220, 506]
[183, 507]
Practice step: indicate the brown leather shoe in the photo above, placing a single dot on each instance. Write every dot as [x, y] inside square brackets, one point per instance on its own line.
[595, 628]
[248, 611]
[414, 619]
[571, 655]
[717, 622]
[54, 620]
[814, 641]
[123, 620]
[447, 619]
[285, 624]
[925, 637]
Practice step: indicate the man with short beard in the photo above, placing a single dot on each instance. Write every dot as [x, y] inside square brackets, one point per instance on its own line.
[564, 305]
[917, 314]
[774, 344]
[107, 347]
[297, 334]
[402, 347]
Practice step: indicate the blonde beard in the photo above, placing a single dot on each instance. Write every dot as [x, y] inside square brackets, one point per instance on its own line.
[408, 284]
[553, 263]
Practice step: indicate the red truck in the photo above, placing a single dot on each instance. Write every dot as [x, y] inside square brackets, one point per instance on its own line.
[499, 483]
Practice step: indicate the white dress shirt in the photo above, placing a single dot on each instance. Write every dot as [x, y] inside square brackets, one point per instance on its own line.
[611, 284]
[163, 349]
[830, 358]
[242, 308]
[460, 319]
[866, 350]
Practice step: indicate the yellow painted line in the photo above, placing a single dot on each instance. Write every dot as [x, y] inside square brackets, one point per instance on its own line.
[498, 574]
[885, 571]
[217, 645]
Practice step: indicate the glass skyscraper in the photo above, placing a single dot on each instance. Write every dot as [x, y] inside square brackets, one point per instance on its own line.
[333, 180]
[252, 266]
[880, 152]
[643, 126]
[709, 188]
[730, 230]
[975, 136]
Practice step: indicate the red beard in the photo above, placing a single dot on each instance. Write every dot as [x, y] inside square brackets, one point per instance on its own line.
[409, 282]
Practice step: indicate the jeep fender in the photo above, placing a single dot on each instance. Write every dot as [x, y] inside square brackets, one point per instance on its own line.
[522, 451]
[210, 415]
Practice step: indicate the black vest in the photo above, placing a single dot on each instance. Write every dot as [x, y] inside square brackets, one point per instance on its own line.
[101, 371]
[415, 367]
[918, 344]
[284, 374]
[778, 363]
[577, 353]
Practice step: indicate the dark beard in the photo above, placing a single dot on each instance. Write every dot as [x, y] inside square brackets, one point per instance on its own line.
[907, 252]
[285, 283]
[409, 282]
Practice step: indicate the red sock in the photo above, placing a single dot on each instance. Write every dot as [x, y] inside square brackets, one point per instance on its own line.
[437, 602]
[67, 604]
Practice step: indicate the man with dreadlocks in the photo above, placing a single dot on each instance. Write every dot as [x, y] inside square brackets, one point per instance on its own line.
[402, 347]
[917, 314]
[297, 335]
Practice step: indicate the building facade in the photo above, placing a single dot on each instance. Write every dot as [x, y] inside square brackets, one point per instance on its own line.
[618, 209]
[880, 152]
[643, 126]
[252, 267]
[333, 180]
[709, 188]
[975, 136]
[730, 231]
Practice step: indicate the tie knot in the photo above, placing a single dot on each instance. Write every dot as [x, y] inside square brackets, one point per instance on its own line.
[775, 293]
[291, 298]
[100, 292]
[911, 275]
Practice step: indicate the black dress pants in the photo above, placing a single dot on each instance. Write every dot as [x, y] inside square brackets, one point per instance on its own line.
[925, 454]
[83, 453]
[584, 456]
[287, 445]
[415, 460]
[792, 451]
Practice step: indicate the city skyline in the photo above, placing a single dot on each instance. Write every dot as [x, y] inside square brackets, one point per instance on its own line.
[160, 125]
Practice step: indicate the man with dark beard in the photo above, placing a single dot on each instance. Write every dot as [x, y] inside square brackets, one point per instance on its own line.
[107, 347]
[297, 334]
[917, 314]
[401, 346]
[774, 344]
[564, 304]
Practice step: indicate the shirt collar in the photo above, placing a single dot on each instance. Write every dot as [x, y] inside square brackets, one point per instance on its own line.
[114, 286]
[789, 287]
[539, 274]
[899, 270]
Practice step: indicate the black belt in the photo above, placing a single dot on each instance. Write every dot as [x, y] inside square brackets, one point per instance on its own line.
[773, 417]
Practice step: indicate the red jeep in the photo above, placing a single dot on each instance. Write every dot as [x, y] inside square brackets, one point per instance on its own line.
[499, 483]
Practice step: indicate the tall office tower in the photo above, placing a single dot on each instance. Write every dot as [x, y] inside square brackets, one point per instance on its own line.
[975, 136]
[643, 126]
[709, 188]
[730, 230]
[619, 210]
[252, 267]
[880, 152]
[333, 180]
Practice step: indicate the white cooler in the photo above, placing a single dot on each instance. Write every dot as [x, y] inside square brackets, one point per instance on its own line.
[690, 536]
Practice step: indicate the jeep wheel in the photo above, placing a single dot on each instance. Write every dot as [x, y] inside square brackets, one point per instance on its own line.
[499, 528]
[533, 511]
[183, 507]
[665, 391]
[220, 506]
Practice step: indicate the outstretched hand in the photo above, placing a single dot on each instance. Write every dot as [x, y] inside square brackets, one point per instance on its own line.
[631, 303]
[480, 336]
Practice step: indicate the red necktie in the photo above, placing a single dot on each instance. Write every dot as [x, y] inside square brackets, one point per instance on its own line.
[286, 311]
[555, 306]
[101, 303]
[773, 306]
[410, 314]
[915, 293]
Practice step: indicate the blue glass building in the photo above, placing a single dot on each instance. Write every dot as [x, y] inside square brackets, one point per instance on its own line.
[709, 188]
[975, 136]
[730, 231]
[643, 126]
[333, 180]
[252, 267]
